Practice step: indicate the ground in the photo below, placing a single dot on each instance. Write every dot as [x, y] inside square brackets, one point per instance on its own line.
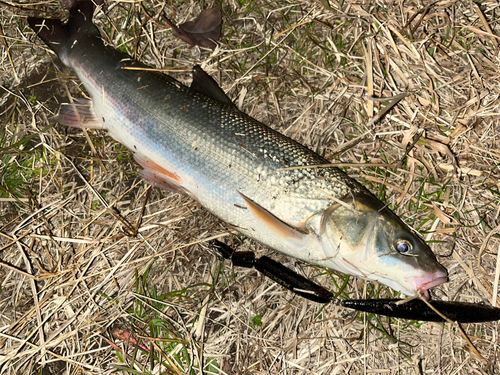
[80, 293]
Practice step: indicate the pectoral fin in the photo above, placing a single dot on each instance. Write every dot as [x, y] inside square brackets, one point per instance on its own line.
[277, 226]
[156, 175]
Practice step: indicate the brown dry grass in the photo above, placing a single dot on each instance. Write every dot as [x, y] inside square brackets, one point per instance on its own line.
[70, 275]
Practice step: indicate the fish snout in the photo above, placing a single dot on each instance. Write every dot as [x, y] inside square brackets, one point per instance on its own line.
[428, 281]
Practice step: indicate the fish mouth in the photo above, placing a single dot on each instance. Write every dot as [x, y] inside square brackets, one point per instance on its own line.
[426, 282]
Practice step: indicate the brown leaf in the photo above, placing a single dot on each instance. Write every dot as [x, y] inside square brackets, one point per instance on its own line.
[444, 217]
[203, 31]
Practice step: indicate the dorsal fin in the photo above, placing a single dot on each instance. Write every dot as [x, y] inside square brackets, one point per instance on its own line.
[206, 85]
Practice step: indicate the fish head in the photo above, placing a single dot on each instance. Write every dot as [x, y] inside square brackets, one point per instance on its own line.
[362, 237]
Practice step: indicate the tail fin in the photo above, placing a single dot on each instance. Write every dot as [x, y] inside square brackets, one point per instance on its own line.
[59, 36]
[51, 31]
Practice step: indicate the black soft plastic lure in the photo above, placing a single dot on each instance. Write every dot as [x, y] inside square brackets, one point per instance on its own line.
[461, 312]
[416, 309]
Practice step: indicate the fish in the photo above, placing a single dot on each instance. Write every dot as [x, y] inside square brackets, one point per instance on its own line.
[267, 186]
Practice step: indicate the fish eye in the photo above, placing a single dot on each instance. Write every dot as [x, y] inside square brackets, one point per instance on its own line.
[403, 246]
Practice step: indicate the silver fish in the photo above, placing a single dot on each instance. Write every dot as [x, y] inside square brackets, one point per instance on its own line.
[193, 140]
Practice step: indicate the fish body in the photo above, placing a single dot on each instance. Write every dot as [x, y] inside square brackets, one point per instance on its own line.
[194, 141]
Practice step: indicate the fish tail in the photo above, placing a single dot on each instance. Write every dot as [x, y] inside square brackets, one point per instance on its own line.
[59, 37]
[52, 32]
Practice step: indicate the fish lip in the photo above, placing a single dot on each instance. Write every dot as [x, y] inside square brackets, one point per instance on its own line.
[426, 282]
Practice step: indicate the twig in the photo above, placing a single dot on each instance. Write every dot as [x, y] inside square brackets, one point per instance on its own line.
[455, 324]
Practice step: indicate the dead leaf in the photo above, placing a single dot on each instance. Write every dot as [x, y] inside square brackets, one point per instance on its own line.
[444, 217]
[127, 336]
[203, 31]
[434, 147]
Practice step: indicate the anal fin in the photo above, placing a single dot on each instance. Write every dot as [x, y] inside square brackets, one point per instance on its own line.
[80, 114]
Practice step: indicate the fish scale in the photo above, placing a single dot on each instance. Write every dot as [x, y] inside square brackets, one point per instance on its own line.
[193, 140]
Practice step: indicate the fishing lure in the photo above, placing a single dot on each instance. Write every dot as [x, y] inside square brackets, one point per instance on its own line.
[414, 309]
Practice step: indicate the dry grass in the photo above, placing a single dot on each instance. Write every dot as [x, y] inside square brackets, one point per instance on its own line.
[71, 275]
